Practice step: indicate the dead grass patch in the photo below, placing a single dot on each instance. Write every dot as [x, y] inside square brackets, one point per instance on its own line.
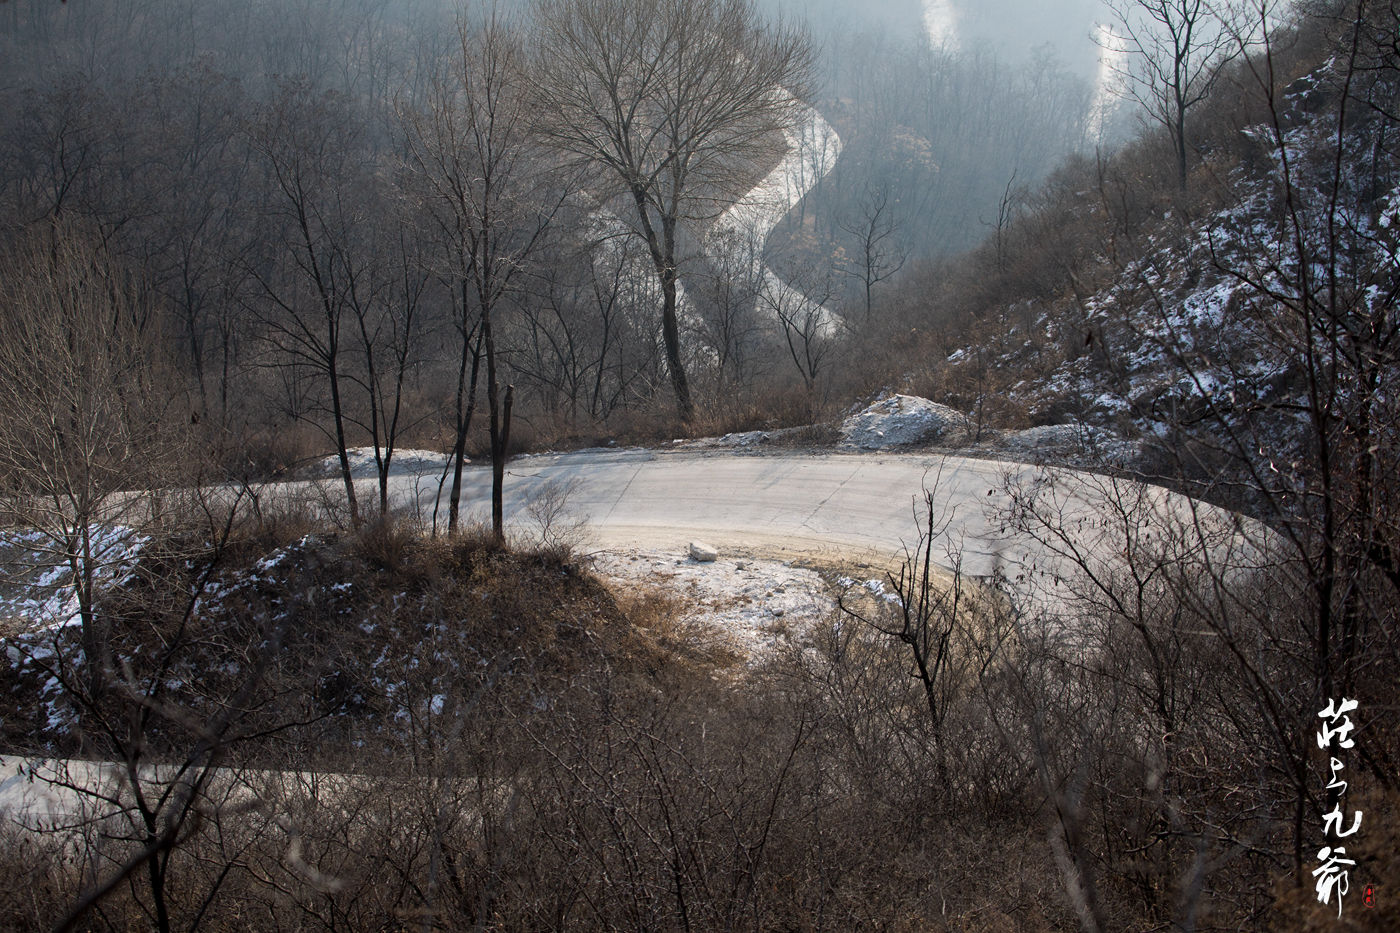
[660, 613]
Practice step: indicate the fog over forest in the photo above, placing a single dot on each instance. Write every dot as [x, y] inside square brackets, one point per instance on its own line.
[143, 116]
[932, 67]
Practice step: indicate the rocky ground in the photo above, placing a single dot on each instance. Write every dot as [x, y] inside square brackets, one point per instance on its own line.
[748, 607]
[910, 423]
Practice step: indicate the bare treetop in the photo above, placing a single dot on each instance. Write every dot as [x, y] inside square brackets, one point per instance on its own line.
[670, 95]
[1172, 51]
[674, 103]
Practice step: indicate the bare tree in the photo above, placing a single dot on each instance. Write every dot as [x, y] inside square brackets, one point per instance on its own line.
[676, 105]
[88, 413]
[309, 142]
[579, 343]
[809, 328]
[481, 176]
[388, 315]
[1174, 51]
[929, 606]
[1319, 290]
[729, 325]
[878, 253]
[196, 183]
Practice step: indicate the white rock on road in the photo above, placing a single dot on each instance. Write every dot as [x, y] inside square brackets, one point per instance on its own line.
[703, 552]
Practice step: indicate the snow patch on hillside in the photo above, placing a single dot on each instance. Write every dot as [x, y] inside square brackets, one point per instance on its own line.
[36, 581]
[1073, 443]
[362, 465]
[751, 607]
[898, 421]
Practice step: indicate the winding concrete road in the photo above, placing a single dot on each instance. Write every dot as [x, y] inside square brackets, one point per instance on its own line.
[1039, 528]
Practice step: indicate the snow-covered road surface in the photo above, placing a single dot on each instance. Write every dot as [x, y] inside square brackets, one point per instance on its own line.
[71, 797]
[812, 150]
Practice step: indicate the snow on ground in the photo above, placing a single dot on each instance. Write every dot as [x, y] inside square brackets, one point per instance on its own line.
[37, 596]
[812, 151]
[36, 582]
[898, 421]
[362, 464]
[751, 607]
[1070, 439]
[741, 440]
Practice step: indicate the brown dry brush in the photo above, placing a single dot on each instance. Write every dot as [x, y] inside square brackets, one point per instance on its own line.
[587, 775]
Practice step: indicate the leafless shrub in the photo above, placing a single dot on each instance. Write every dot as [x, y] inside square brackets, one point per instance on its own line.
[558, 530]
[389, 543]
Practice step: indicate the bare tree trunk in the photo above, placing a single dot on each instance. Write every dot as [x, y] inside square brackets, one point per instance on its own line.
[1180, 135]
[464, 423]
[670, 333]
[339, 418]
[663, 257]
[498, 466]
[496, 429]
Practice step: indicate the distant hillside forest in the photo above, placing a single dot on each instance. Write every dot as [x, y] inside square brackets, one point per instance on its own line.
[296, 200]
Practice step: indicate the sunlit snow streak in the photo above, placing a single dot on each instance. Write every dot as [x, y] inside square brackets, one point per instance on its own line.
[1109, 80]
[941, 24]
[742, 230]
[637, 273]
[812, 151]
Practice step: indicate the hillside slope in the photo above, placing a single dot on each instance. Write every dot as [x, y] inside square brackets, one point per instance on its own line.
[1230, 323]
